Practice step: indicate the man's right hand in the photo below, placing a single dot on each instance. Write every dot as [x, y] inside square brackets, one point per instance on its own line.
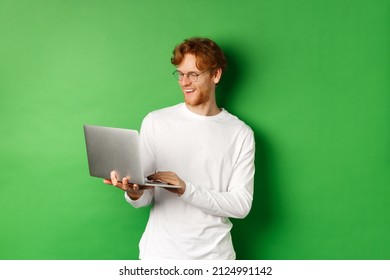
[134, 191]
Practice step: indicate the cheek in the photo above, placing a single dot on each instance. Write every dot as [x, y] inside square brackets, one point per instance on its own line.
[205, 85]
[208, 87]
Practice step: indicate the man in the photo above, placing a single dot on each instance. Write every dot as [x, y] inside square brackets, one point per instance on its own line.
[203, 149]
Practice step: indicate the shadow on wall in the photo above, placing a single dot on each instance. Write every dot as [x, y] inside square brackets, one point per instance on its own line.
[248, 234]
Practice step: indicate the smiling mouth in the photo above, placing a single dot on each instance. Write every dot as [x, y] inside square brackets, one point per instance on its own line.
[188, 91]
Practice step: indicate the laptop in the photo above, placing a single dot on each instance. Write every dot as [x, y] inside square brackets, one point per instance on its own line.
[116, 149]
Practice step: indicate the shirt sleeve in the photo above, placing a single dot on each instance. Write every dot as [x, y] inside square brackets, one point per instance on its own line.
[144, 200]
[148, 161]
[236, 202]
[147, 146]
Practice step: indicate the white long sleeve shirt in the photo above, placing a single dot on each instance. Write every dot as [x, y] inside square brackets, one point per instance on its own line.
[214, 156]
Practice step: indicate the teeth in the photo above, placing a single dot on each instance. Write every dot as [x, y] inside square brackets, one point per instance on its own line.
[189, 90]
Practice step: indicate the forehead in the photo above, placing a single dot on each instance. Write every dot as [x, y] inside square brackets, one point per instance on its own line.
[188, 63]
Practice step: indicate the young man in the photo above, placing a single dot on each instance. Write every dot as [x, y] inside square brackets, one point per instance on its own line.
[203, 149]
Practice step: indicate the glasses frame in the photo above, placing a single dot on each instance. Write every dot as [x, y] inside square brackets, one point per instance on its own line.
[192, 76]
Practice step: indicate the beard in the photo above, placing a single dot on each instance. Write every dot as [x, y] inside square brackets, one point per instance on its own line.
[197, 98]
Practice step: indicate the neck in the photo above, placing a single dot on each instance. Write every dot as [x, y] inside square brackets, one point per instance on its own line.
[205, 109]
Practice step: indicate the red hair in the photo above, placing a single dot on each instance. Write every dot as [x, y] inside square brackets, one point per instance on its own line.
[208, 54]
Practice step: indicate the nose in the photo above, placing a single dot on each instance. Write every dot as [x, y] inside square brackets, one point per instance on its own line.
[185, 80]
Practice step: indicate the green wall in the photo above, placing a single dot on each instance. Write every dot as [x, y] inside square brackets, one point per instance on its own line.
[310, 77]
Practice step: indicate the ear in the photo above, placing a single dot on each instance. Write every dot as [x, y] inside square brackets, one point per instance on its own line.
[217, 75]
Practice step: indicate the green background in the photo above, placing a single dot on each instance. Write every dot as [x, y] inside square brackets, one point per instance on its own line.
[310, 77]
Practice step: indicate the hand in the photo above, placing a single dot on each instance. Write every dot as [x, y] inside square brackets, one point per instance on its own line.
[134, 191]
[170, 178]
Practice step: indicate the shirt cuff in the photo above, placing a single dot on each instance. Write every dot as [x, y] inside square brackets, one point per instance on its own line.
[136, 203]
[188, 191]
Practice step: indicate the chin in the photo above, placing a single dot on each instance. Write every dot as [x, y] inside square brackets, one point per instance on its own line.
[195, 100]
[192, 102]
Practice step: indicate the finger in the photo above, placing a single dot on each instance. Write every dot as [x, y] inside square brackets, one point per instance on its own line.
[114, 179]
[107, 181]
[172, 179]
[128, 181]
[125, 184]
[158, 176]
[166, 177]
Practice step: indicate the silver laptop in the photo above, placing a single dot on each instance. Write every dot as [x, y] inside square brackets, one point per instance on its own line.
[116, 149]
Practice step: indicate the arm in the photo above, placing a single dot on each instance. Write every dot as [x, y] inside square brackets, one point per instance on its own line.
[137, 195]
[236, 201]
[144, 200]
[148, 161]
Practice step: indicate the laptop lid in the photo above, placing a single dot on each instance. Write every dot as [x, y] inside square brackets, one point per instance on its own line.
[116, 149]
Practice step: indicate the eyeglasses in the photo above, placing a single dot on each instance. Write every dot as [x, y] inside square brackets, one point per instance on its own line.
[190, 75]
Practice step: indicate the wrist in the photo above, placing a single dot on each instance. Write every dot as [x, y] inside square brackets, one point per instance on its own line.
[134, 196]
[182, 190]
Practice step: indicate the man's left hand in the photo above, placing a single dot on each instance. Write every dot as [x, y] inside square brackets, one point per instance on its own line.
[170, 178]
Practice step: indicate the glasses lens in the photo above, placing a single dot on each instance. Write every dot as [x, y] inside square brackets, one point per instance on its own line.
[193, 76]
